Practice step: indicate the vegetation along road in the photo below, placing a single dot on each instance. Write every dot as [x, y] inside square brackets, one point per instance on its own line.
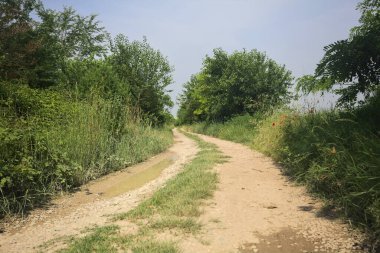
[93, 160]
[254, 209]
[96, 202]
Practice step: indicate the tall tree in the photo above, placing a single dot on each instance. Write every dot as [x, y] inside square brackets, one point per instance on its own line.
[19, 43]
[233, 84]
[66, 36]
[193, 104]
[147, 73]
[354, 63]
[37, 52]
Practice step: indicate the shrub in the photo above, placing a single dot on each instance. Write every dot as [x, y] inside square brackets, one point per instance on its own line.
[50, 142]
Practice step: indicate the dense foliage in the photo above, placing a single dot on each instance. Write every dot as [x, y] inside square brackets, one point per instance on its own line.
[36, 52]
[146, 72]
[354, 63]
[228, 85]
[61, 47]
[71, 107]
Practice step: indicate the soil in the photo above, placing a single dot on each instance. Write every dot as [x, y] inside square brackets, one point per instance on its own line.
[255, 209]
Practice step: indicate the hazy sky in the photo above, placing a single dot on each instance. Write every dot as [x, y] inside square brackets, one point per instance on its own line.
[292, 32]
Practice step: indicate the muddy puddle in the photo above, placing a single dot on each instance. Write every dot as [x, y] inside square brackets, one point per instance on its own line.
[288, 241]
[111, 185]
[129, 179]
[135, 179]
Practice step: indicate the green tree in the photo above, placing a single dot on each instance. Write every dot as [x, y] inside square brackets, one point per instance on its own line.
[37, 52]
[354, 63]
[66, 36]
[95, 75]
[146, 72]
[75, 36]
[19, 43]
[239, 83]
[193, 104]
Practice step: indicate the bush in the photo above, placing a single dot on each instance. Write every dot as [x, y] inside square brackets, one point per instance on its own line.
[50, 142]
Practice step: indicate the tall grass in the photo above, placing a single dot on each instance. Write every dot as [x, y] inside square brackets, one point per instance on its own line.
[52, 142]
[240, 129]
[336, 154]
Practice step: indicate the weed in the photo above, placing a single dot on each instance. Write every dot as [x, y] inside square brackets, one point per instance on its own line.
[99, 240]
[152, 246]
[187, 225]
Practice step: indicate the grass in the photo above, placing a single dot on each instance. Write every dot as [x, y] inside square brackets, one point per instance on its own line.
[108, 239]
[182, 195]
[187, 225]
[336, 154]
[99, 240]
[174, 208]
[155, 247]
[51, 142]
[239, 129]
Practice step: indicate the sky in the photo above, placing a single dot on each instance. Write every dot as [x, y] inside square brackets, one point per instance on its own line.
[292, 32]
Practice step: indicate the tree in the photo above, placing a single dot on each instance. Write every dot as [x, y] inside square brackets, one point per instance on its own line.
[66, 36]
[229, 85]
[193, 104]
[95, 75]
[62, 48]
[74, 36]
[19, 43]
[37, 52]
[354, 63]
[146, 72]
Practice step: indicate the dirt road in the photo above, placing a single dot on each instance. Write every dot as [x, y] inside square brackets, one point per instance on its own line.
[255, 208]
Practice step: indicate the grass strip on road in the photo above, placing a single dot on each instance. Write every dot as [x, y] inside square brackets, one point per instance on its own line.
[173, 207]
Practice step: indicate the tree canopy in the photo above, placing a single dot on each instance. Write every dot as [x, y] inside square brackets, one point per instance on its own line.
[62, 49]
[19, 44]
[354, 63]
[233, 84]
[146, 72]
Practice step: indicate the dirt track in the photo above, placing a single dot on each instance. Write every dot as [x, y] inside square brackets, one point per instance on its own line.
[255, 209]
